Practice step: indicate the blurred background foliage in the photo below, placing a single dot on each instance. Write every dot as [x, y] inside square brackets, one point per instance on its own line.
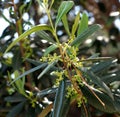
[17, 16]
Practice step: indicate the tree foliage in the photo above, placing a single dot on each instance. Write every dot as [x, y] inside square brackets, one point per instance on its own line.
[50, 66]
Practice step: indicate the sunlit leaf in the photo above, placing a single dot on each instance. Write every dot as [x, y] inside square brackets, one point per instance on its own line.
[75, 25]
[83, 24]
[22, 9]
[63, 9]
[50, 49]
[65, 23]
[19, 83]
[28, 32]
[97, 59]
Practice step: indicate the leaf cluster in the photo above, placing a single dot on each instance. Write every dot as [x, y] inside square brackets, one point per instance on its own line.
[88, 81]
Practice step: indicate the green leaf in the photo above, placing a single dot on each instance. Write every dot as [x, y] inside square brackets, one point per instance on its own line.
[33, 29]
[19, 83]
[92, 100]
[117, 102]
[45, 36]
[75, 25]
[83, 24]
[97, 59]
[34, 62]
[22, 9]
[63, 9]
[30, 71]
[50, 49]
[96, 80]
[16, 60]
[65, 23]
[59, 101]
[86, 33]
[101, 66]
[46, 92]
[111, 77]
[47, 69]
[16, 110]
[15, 98]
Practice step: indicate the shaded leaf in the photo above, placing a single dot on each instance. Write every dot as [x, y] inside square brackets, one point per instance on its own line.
[30, 71]
[59, 100]
[16, 60]
[17, 98]
[96, 80]
[46, 92]
[45, 36]
[34, 62]
[47, 69]
[111, 77]
[8, 31]
[85, 110]
[16, 110]
[63, 9]
[101, 66]
[86, 33]
[92, 100]
[117, 101]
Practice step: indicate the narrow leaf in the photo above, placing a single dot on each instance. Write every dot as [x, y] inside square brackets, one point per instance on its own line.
[75, 25]
[63, 9]
[97, 59]
[29, 71]
[65, 23]
[83, 24]
[111, 78]
[16, 110]
[33, 29]
[59, 100]
[96, 80]
[47, 69]
[45, 36]
[19, 83]
[92, 100]
[46, 92]
[50, 49]
[16, 98]
[34, 62]
[101, 66]
[86, 33]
